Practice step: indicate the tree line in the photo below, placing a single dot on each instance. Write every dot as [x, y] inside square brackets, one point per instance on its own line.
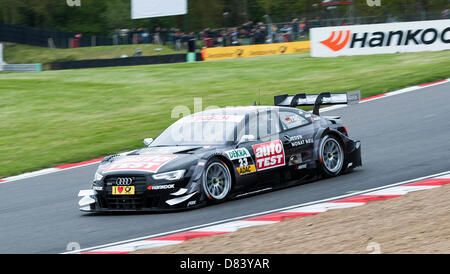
[102, 17]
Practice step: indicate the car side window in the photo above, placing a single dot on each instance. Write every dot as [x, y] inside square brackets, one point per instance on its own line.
[260, 124]
[291, 120]
[268, 124]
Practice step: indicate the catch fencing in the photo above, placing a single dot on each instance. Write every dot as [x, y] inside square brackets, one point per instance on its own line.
[49, 38]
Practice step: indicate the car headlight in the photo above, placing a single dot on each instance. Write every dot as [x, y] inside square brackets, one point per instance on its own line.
[98, 177]
[170, 176]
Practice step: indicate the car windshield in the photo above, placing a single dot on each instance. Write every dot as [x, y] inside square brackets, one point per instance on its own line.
[200, 130]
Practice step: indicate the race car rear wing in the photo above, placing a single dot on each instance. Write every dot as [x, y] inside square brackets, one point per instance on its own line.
[317, 100]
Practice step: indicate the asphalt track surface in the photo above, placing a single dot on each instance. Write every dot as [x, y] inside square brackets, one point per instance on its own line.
[403, 137]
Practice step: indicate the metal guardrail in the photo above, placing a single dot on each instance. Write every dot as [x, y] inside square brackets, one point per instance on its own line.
[22, 67]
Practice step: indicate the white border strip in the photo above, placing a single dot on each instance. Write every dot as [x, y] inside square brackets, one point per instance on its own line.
[48, 171]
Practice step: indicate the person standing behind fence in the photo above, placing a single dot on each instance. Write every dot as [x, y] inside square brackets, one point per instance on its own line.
[171, 36]
[131, 36]
[123, 36]
[274, 34]
[178, 45]
[192, 42]
[295, 28]
[145, 35]
[184, 40]
[224, 37]
[235, 37]
[303, 27]
[446, 14]
[116, 36]
[156, 36]
[286, 33]
[260, 36]
[163, 35]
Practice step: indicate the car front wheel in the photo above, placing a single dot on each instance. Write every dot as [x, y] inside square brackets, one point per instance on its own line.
[217, 181]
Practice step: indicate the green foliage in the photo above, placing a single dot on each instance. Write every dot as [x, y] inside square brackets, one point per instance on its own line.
[101, 17]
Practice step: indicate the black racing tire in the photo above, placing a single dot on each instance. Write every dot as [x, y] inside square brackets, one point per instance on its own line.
[331, 156]
[216, 181]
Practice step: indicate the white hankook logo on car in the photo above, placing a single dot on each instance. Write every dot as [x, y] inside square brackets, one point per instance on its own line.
[161, 187]
[122, 181]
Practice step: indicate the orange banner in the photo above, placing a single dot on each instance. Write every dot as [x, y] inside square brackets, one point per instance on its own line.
[254, 50]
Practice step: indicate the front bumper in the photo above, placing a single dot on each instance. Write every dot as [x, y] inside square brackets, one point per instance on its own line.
[149, 194]
[100, 201]
[354, 154]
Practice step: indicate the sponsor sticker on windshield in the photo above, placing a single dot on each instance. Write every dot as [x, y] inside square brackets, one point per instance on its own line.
[225, 118]
[148, 163]
[269, 155]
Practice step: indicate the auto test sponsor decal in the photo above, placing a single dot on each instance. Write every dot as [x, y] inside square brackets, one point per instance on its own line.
[269, 155]
[148, 163]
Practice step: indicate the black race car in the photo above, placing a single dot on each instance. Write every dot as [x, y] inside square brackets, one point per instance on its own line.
[214, 155]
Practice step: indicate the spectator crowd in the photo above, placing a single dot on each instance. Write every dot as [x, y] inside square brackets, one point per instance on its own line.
[251, 33]
[248, 33]
[160, 36]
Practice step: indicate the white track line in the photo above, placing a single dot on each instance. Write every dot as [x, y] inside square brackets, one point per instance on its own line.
[48, 171]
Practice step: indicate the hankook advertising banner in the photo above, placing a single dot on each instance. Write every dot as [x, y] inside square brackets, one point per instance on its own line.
[380, 38]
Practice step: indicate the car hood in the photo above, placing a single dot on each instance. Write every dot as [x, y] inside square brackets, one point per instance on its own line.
[153, 160]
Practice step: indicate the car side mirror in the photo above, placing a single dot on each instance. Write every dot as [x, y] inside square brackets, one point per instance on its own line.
[148, 141]
[246, 138]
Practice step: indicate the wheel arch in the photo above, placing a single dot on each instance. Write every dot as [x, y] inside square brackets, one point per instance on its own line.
[322, 133]
[231, 168]
[229, 165]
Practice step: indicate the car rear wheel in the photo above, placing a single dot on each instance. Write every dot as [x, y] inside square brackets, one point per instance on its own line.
[331, 155]
[217, 181]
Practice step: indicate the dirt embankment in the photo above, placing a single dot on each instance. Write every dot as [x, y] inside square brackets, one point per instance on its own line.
[416, 223]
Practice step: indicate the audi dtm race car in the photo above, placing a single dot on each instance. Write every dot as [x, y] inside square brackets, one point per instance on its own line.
[215, 155]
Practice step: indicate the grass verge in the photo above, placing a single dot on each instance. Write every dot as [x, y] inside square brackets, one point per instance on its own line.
[56, 117]
[24, 54]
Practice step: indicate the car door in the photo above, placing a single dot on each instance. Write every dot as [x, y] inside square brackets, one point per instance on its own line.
[243, 155]
[297, 135]
[269, 152]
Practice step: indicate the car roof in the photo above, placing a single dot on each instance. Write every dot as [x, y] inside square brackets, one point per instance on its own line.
[239, 110]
